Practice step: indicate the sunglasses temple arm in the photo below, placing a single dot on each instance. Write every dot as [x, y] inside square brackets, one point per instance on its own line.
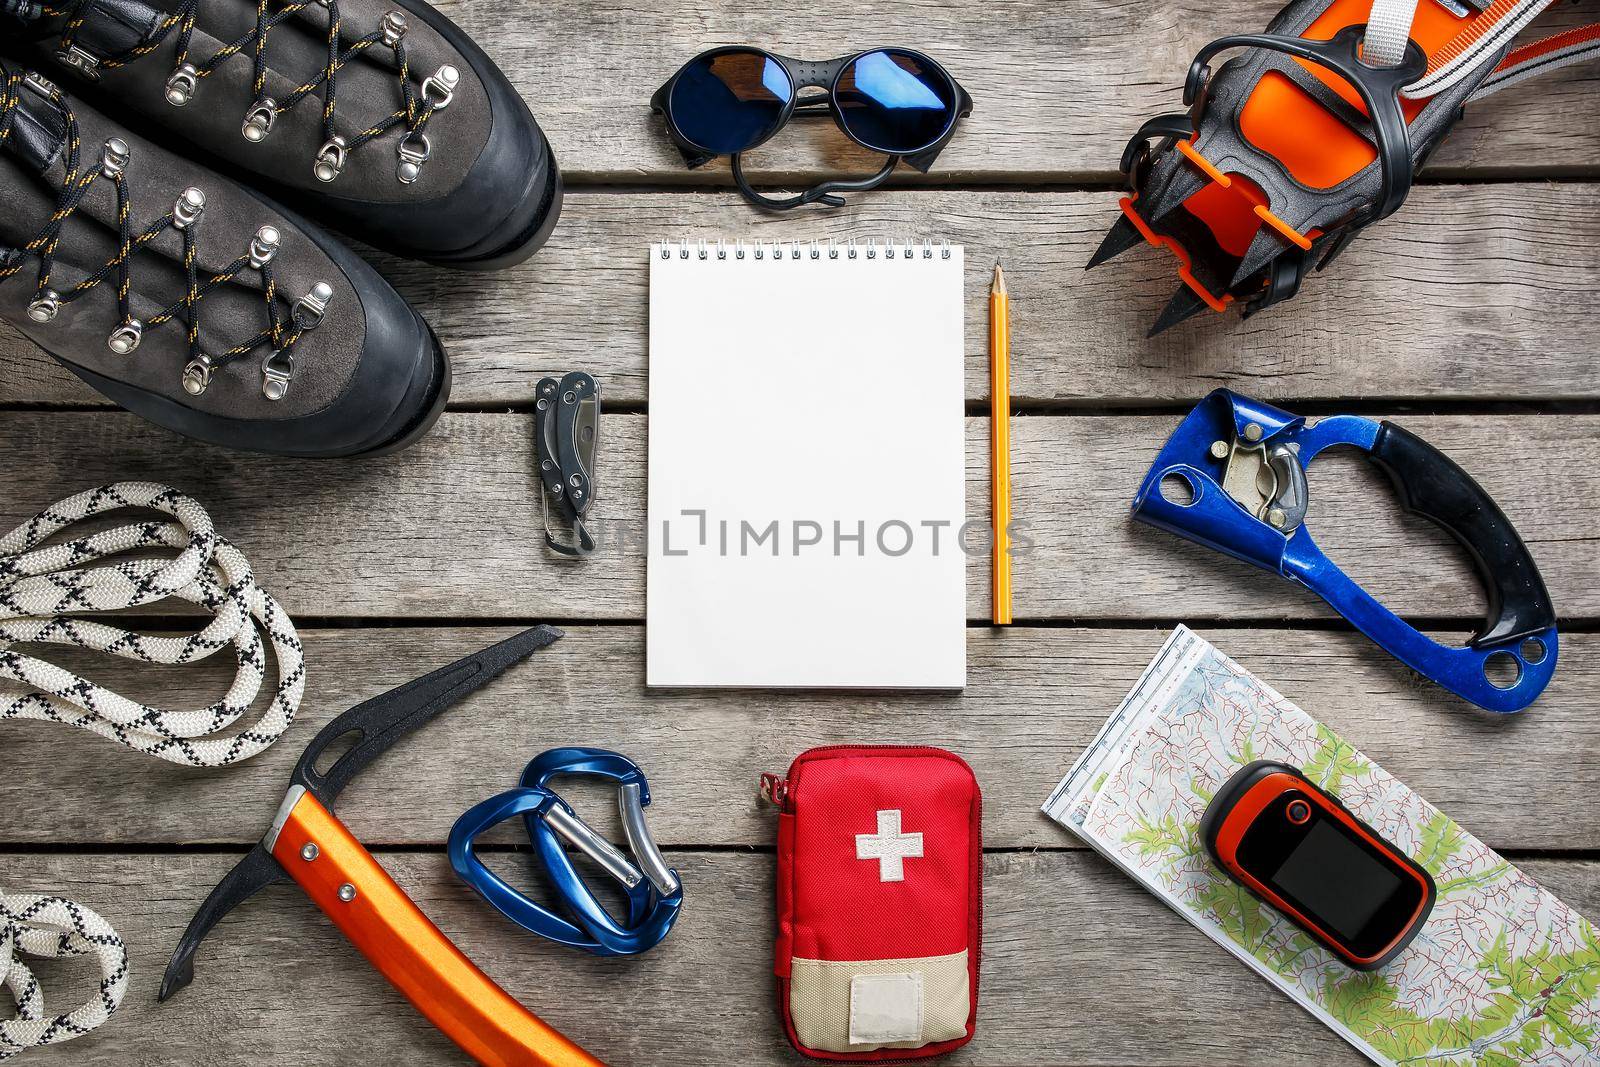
[825, 193]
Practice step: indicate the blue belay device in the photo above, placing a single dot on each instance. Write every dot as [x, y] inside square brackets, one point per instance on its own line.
[654, 892]
[1244, 464]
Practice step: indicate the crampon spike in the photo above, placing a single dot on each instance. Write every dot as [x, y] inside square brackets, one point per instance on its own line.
[1264, 249]
[1184, 305]
[1122, 236]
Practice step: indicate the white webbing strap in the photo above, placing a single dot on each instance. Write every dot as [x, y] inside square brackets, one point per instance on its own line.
[1478, 43]
[1483, 38]
[54, 928]
[1541, 57]
[44, 589]
[1388, 32]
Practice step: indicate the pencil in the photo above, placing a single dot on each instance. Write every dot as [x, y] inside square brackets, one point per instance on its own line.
[1000, 441]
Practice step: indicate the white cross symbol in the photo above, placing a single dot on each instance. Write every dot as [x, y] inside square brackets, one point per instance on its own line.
[889, 847]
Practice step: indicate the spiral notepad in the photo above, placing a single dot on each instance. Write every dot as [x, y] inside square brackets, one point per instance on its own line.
[807, 465]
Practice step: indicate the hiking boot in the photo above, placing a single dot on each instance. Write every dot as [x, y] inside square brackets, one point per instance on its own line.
[380, 118]
[190, 300]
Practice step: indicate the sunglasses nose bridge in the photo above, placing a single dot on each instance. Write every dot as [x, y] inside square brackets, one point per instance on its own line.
[808, 75]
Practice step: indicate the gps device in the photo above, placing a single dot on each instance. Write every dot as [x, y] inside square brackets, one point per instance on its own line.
[1300, 850]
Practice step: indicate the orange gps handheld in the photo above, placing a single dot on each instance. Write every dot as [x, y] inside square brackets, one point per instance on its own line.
[1300, 850]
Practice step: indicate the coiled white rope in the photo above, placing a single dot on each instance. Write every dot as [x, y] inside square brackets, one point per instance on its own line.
[43, 590]
[54, 928]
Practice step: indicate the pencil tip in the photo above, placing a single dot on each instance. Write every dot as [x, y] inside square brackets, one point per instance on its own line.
[999, 285]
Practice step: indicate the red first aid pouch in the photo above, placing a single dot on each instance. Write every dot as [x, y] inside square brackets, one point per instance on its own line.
[880, 901]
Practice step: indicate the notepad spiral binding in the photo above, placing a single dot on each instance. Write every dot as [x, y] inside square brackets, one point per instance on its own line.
[779, 251]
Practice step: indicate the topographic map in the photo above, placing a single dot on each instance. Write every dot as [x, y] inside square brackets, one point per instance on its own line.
[1502, 973]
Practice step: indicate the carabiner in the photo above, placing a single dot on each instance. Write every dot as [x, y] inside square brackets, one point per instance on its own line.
[653, 890]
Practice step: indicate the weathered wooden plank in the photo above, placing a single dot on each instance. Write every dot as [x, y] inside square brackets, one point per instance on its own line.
[452, 528]
[1059, 85]
[1036, 699]
[1471, 292]
[1080, 966]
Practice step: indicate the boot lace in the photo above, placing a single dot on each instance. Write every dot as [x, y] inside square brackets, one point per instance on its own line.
[418, 105]
[281, 334]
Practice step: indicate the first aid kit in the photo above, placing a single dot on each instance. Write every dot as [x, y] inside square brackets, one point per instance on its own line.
[880, 901]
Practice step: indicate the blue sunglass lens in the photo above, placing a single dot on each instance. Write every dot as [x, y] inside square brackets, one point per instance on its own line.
[728, 102]
[895, 102]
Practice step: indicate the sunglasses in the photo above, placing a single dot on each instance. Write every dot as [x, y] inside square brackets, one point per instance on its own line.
[891, 100]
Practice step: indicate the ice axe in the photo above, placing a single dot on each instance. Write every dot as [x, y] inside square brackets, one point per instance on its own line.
[307, 844]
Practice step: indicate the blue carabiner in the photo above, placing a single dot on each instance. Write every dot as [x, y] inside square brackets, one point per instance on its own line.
[1244, 464]
[654, 891]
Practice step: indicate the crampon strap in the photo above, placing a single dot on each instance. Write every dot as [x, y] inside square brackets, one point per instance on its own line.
[1389, 27]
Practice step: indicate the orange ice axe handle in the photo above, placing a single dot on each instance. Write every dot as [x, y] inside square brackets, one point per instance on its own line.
[378, 918]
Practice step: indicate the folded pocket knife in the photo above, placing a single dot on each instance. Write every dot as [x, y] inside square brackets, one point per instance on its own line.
[566, 422]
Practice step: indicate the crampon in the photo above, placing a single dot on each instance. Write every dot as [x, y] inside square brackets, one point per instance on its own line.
[1310, 133]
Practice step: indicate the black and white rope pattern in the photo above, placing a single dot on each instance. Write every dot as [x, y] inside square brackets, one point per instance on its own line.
[54, 928]
[45, 588]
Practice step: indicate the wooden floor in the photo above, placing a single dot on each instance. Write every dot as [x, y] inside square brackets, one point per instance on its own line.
[1469, 316]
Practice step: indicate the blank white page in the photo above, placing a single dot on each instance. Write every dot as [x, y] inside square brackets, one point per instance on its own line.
[800, 400]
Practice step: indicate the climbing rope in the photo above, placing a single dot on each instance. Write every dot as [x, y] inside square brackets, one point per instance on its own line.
[418, 106]
[44, 588]
[280, 335]
[54, 928]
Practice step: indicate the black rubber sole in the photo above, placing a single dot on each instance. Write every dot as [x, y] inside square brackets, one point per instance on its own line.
[522, 247]
[424, 423]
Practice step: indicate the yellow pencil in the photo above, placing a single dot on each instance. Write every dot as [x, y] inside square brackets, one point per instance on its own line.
[1000, 440]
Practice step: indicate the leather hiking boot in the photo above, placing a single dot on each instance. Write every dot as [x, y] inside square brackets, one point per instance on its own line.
[379, 118]
[190, 300]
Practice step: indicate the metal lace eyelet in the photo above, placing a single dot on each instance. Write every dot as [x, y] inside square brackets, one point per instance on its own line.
[309, 309]
[394, 28]
[40, 84]
[439, 88]
[46, 307]
[81, 60]
[197, 375]
[181, 84]
[125, 338]
[258, 120]
[277, 372]
[264, 246]
[191, 204]
[114, 156]
[331, 159]
[415, 149]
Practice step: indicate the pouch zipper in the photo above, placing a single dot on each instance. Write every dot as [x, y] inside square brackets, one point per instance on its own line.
[779, 790]
[775, 791]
